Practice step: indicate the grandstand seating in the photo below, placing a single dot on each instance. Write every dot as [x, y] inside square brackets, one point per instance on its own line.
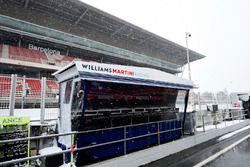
[24, 54]
[42, 55]
[52, 85]
[19, 87]
[5, 83]
[33, 85]
[67, 58]
[5, 86]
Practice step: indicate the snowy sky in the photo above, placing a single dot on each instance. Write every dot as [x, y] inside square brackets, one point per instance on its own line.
[220, 30]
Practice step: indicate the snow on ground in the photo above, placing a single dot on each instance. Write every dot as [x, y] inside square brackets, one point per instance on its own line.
[50, 150]
[233, 133]
[68, 165]
[33, 113]
[219, 126]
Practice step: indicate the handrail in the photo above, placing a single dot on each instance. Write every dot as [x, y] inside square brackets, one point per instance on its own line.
[79, 132]
[215, 115]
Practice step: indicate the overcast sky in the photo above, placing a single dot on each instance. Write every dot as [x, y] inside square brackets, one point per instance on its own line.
[220, 30]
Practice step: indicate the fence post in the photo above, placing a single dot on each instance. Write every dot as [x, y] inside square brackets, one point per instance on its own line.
[203, 123]
[43, 94]
[240, 115]
[199, 102]
[158, 133]
[224, 119]
[232, 115]
[125, 141]
[182, 132]
[244, 116]
[24, 91]
[12, 94]
[72, 150]
[215, 120]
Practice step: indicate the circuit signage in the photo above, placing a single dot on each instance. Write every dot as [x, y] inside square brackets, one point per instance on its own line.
[12, 120]
[108, 70]
[42, 49]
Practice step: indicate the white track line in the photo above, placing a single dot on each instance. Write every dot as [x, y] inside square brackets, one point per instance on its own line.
[204, 162]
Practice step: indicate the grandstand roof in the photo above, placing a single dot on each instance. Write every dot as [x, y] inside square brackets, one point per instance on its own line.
[80, 19]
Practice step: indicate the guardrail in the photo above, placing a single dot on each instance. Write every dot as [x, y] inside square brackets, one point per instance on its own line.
[73, 133]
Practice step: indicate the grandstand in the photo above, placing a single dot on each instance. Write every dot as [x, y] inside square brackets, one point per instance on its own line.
[39, 37]
[21, 55]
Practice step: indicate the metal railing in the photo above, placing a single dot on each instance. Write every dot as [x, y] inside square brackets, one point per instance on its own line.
[217, 118]
[73, 133]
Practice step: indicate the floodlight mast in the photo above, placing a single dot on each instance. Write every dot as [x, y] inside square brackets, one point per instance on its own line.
[188, 57]
[188, 35]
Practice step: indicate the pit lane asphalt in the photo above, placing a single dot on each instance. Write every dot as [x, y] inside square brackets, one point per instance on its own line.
[196, 154]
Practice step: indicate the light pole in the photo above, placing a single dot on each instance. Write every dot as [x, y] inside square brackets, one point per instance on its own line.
[188, 35]
[188, 62]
